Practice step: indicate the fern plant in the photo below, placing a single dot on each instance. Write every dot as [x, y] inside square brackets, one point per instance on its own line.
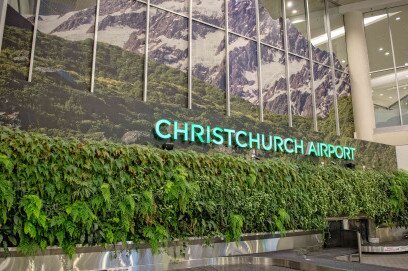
[58, 192]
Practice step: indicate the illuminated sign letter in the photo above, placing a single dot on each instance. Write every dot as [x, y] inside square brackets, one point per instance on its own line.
[217, 134]
[237, 135]
[253, 140]
[230, 133]
[197, 134]
[177, 131]
[157, 129]
[299, 147]
[264, 146]
[288, 140]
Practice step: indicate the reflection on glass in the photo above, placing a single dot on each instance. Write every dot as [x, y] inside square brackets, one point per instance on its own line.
[121, 43]
[271, 23]
[378, 40]
[243, 76]
[301, 96]
[297, 28]
[180, 6]
[398, 21]
[212, 12]
[274, 82]
[318, 32]
[338, 38]
[385, 98]
[168, 52]
[209, 67]
[402, 75]
[242, 17]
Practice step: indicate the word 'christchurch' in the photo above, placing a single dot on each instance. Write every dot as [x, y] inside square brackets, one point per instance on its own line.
[183, 131]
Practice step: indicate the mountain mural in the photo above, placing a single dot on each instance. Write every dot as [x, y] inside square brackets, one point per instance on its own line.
[123, 23]
[58, 102]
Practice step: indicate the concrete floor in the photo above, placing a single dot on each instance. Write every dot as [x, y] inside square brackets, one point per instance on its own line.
[392, 260]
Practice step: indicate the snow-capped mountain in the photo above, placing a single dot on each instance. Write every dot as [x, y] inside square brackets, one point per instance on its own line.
[123, 23]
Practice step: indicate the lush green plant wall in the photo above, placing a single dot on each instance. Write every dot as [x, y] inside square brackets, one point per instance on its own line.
[63, 192]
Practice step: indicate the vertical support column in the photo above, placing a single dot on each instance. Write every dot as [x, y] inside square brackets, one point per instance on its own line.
[259, 55]
[3, 13]
[309, 37]
[395, 67]
[146, 52]
[95, 45]
[363, 108]
[336, 106]
[190, 55]
[287, 72]
[227, 60]
[30, 70]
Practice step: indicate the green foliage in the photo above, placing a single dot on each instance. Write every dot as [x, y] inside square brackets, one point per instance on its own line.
[281, 220]
[65, 192]
[236, 224]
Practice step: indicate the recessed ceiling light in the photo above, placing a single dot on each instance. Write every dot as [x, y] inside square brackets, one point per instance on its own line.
[290, 4]
[381, 49]
[381, 94]
[390, 97]
[294, 11]
[398, 18]
[343, 61]
[387, 53]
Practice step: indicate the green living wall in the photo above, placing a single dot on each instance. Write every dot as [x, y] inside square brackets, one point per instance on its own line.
[63, 192]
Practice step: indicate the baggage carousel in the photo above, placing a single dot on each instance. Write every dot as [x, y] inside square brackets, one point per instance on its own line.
[384, 248]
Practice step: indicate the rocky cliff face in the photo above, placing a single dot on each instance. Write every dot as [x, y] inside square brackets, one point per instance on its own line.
[123, 23]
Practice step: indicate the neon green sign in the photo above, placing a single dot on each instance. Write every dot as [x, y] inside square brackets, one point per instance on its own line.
[183, 131]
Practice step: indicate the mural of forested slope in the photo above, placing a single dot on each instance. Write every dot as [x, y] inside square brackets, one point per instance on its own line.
[58, 101]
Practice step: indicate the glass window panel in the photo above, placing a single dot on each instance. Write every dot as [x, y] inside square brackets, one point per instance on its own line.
[14, 63]
[297, 28]
[403, 89]
[345, 106]
[18, 32]
[65, 42]
[121, 45]
[318, 32]
[338, 38]
[385, 99]
[209, 68]
[168, 55]
[325, 110]
[301, 96]
[271, 22]
[398, 21]
[242, 17]
[54, 101]
[378, 41]
[275, 93]
[210, 11]
[243, 77]
[323, 89]
[179, 6]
